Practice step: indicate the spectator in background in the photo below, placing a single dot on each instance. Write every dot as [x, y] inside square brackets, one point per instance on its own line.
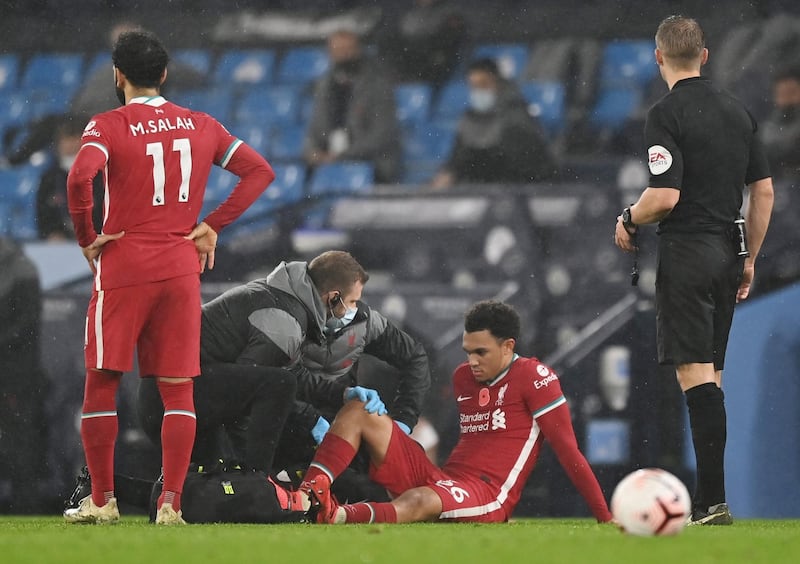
[426, 43]
[780, 133]
[354, 116]
[53, 221]
[95, 96]
[23, 384]
[497, 139]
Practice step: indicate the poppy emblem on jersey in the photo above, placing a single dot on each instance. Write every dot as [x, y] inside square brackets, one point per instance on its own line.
[659, 159]
[483, 397]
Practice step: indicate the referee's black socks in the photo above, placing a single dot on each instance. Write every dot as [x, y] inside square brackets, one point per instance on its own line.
[707, 418]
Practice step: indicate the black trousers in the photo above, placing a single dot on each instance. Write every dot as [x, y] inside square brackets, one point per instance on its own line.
[241, 411]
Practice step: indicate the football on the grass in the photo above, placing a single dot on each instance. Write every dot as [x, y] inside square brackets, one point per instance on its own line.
[651, 502]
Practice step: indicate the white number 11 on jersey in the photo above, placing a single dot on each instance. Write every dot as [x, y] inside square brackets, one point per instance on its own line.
[156, 150]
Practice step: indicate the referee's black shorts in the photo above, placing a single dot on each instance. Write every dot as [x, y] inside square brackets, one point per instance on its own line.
[696, 283]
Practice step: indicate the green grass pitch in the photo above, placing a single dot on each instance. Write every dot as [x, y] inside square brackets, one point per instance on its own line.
[49, 539]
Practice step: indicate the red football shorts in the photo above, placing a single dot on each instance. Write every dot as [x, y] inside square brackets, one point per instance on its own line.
[161, 320]
[465, 498]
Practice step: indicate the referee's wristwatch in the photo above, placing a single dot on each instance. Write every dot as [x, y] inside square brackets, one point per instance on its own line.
[629, 225]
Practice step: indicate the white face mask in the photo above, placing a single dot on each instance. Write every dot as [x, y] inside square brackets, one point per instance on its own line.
[482, 99]
[334, 323]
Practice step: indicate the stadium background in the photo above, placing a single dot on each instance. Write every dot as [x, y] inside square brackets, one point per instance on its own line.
[546, 248]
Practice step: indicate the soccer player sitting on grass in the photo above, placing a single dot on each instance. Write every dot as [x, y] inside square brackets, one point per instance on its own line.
[507, 405]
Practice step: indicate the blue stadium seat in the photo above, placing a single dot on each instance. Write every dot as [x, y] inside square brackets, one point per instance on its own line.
[420, 172]
[546, 103]
[99, 60]
[9, 72]
[614, 106]
[198, 59]
[302, 65]
[428, 141]
[22, 106]
[451, 102]
[286, 142]
[306, 107]
[220, 183]
[413, 102]
[18, 186]
[342, 178]
[5, 219]
[425, 148]
[269, 105]
[628, 63]
[215, 101]
[45, 101]
[286, 189]
[254, 135]
[15, 109]
[251, 66]
[55, 70]
[289, 183]
[511, 58]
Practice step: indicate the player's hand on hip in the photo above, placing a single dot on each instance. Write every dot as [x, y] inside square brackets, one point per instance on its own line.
[622, 238]
[93, 250]
[205, 241]
[747, 281]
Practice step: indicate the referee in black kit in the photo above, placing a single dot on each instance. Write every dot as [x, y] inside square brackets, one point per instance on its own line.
[702, 151]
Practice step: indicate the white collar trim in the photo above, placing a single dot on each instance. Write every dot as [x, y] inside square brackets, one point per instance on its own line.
[504, 372]
[149, 100]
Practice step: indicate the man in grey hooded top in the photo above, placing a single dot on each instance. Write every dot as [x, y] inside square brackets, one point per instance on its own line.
[251, 336]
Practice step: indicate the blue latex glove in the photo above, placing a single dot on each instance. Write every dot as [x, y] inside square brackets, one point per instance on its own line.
[403, 427]
[372, 401]
[319, 430]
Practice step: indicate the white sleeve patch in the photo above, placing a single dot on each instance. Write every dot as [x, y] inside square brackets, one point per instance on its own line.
[659, 159]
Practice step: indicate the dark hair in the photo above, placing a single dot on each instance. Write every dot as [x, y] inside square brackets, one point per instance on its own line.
[790, 71]
[336, 270]
[484, 65]
[500, 319]
[681, 39]
[141, 57]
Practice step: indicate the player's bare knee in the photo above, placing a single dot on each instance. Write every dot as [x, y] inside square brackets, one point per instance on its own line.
[168, 380]
[417, 504]
[353, 413]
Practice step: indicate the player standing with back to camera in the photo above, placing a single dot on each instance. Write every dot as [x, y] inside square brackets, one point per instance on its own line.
[702, 151]
[155, 158]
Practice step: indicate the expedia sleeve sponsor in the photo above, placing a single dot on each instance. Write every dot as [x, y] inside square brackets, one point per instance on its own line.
[544, 382]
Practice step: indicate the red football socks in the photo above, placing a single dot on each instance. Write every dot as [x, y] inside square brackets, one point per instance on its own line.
[177, 438]
[370, 513]
[332, 457]
[99, 431]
